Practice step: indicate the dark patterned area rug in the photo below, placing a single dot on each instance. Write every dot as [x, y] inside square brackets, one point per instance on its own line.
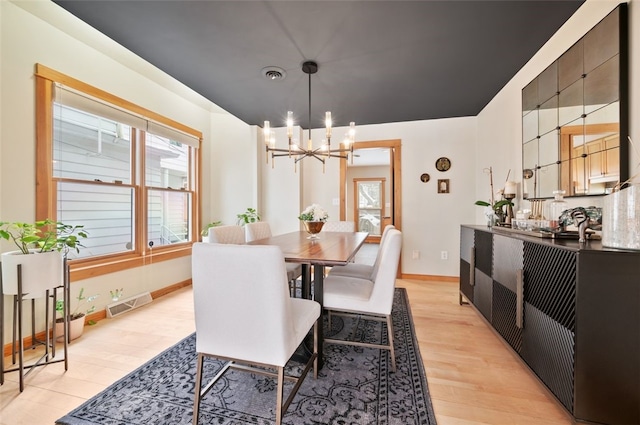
[355, 386]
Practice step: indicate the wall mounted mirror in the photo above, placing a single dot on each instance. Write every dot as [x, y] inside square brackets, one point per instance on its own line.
[575, 116]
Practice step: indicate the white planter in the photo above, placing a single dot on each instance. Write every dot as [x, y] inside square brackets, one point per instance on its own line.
[76, 327]
[40, 271]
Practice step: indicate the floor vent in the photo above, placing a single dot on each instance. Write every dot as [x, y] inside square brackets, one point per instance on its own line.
[127, 304]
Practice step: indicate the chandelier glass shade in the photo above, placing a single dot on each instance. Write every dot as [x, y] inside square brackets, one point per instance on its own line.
[296, 150]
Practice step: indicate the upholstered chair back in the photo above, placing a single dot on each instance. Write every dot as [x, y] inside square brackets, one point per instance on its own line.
[257, 230]
[226, 234]
[242, 305]
[339, 226]
[383, 239]
[384, 277]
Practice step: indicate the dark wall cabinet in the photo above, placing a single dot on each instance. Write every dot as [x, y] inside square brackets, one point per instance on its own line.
[570, 311]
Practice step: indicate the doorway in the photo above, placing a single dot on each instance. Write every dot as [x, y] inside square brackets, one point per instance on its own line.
[386, 169]
[369, 204]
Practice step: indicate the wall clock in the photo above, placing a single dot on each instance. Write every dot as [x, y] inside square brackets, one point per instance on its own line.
[443, 164]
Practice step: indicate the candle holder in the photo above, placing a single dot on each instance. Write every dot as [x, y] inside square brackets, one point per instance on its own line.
[509, 197]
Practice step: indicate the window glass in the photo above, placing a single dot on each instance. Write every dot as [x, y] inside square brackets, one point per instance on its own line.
[168, 216]
[167, 163]
[105, 211]
[89, 147]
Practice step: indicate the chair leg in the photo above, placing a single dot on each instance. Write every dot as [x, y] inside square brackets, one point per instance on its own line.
[390, 337]
[196, 391]
[279, 395]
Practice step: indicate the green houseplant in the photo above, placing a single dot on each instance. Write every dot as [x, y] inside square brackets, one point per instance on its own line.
[249, 216]
[43, 236]
[205, 229]
[83, 307]
[42, 247]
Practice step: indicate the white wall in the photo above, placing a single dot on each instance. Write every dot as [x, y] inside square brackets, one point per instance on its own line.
[280, 185]
[229, 169]
[42, 32]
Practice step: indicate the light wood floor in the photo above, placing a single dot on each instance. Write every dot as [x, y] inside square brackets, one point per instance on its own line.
[473, 378]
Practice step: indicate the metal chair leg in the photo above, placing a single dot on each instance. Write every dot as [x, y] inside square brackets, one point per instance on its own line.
[198, 386]
[279, 395]
[390, 338]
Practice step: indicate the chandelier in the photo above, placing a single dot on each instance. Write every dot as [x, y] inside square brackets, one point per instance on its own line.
[297, 151]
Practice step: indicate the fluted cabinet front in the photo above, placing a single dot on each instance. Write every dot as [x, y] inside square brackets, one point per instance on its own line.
[549, 317]
[507, 272]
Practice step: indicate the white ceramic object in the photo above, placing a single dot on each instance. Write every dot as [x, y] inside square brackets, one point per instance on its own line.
[40, 271]
[76, 327]
[621, 219]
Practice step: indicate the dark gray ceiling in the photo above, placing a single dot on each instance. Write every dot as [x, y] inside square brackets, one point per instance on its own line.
[379, 61]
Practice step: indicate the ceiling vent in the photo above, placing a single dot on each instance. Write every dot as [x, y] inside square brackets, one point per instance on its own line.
[273, 73]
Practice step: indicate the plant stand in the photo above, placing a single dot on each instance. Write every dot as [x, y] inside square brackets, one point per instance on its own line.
[19, 297]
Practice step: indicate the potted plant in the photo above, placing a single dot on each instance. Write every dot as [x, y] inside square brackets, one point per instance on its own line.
[205, 230]
[249, 216]
[496, 215]
[76, 317]
[41, 249]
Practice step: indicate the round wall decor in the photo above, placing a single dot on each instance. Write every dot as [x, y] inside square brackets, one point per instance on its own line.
[443, 164]
[424, 177]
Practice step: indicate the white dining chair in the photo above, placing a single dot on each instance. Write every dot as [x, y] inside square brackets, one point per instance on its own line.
[373, 298]
[262, 230]
[244, 315]
[339, 226]
[363, 271]
[227, 235]
[257, 230]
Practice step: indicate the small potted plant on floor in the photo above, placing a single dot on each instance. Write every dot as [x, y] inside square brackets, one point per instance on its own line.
[76, 317]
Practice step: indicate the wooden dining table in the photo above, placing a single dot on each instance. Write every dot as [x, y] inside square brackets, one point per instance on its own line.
[330, 249]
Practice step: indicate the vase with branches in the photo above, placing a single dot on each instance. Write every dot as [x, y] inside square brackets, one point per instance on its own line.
[495, 208]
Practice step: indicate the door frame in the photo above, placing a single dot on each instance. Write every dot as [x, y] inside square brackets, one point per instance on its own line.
[395, 149]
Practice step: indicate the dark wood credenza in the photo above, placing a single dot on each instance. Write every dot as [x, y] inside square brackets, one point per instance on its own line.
[571, 311]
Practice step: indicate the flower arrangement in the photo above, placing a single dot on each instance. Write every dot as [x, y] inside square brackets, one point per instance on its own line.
[314, 212]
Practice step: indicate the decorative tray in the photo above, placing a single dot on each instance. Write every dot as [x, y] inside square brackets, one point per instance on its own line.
[547, 233]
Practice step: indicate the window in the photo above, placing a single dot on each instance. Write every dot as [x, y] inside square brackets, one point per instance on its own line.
[125, 173]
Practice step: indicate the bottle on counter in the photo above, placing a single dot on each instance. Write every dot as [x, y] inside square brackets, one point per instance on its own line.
[555, 208]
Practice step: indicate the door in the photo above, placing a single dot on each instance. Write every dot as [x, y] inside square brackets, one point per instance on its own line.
[369, 205]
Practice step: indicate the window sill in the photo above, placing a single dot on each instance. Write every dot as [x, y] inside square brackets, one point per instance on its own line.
[81, 270]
